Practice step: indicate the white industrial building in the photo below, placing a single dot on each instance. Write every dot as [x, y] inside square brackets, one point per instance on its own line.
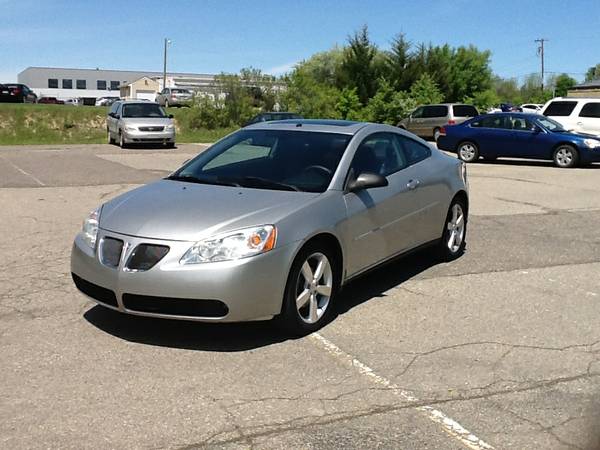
[66, 83]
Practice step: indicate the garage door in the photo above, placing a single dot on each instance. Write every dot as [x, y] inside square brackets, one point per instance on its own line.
[145, 95]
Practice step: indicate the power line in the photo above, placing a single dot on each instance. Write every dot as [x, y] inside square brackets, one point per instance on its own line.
[541, 53]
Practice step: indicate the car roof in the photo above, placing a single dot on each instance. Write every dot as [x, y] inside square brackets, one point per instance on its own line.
[515, 114]
[322, 125]
[145, 102]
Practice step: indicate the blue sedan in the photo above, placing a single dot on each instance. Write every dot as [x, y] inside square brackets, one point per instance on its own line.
[518, 135]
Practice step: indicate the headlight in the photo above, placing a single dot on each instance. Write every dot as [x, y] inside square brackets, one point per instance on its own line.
[128, 128]
[170, 127]
[89, 230]
[234, 245]
[591, 143]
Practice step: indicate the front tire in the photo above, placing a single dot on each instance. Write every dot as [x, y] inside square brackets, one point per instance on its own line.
[122, 143]
[311, 288]
[468, 152]
[565, 156]
[453, 241]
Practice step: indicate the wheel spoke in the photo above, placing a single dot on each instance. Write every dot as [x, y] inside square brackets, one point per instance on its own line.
[459, 220]
[302, 298]
[320, 269]
[454, 214]
[324, 290]
[312, 315]
[451, 240]
[307, 272]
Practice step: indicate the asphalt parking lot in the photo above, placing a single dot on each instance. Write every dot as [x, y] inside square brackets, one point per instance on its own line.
[499, 349]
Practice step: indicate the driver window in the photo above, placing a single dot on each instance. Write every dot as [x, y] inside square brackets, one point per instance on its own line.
[380, 154]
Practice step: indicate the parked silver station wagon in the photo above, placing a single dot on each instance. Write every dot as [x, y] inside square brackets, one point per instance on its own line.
[270, 222]
[139, 122]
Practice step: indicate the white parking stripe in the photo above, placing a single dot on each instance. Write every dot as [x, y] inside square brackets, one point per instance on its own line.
[450, 426]
[23, 172]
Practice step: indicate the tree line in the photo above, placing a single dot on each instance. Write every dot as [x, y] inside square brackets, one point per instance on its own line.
[360, 81]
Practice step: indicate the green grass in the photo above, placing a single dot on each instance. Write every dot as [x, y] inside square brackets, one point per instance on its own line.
[22, 124]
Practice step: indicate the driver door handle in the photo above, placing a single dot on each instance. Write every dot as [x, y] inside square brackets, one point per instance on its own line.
[413, 184]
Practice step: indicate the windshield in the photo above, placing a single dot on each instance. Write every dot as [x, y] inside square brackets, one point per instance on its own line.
[269, 159]
[143, 110]
[551, 125]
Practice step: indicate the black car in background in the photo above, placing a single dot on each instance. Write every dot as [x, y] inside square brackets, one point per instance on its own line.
[5, 93]
[19, 93]
[269, 116]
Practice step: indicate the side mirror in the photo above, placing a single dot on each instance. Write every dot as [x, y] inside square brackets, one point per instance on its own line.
[170, 116]
[535, 129]
[367, 180]
[116, 116]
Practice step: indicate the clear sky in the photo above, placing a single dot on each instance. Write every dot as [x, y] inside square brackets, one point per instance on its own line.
[213, 36]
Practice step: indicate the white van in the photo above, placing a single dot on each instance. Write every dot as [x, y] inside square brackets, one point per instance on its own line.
[578, 114]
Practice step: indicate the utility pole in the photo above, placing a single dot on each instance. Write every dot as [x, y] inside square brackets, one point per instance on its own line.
[540, 51]
[167, 42]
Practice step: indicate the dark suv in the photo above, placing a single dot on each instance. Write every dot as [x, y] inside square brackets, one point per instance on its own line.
[269, 116]
[20, 93]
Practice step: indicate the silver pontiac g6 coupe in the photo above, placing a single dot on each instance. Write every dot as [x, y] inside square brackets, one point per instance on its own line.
[270, 222]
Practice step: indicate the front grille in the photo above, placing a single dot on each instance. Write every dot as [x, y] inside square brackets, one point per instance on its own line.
[146, 256]
[96, 292]
[151, 128]
[110, 251]
[175, 306]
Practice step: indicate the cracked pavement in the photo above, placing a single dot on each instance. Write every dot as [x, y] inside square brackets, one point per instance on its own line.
[505, 341]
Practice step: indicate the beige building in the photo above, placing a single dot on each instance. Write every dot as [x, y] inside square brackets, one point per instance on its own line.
[591, 89]
[144, 88]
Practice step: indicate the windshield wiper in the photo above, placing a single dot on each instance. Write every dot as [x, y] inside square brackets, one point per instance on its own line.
[194, 179]
[264, 182]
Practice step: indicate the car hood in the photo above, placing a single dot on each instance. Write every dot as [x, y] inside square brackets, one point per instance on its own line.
[174, 210]
[579, 134]
[147, 121]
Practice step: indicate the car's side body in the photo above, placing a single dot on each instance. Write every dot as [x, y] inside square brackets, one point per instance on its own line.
[364, 228]
[496, 135]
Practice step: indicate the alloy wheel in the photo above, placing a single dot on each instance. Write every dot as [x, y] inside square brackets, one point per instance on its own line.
[467, 152]
[313, 288]
[456, 228]
[564, 157]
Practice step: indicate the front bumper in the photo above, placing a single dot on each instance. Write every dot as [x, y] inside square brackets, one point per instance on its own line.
[229, 291]
[141, 137]
[589, 155]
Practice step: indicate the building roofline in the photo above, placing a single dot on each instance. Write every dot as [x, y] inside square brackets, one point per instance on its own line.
[122, 71]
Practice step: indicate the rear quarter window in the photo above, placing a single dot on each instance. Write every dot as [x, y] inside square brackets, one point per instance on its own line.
[590, 110]
[464, 111]
[561, 109]
[435, 111]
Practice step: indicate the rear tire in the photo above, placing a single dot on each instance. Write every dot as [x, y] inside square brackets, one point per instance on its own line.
[565, 156]
[310, 292]
[454, 235]
[109, 138]
[468, 152]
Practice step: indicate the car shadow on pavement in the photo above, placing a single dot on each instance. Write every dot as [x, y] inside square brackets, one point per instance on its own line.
[236, 337]
[374, 284]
